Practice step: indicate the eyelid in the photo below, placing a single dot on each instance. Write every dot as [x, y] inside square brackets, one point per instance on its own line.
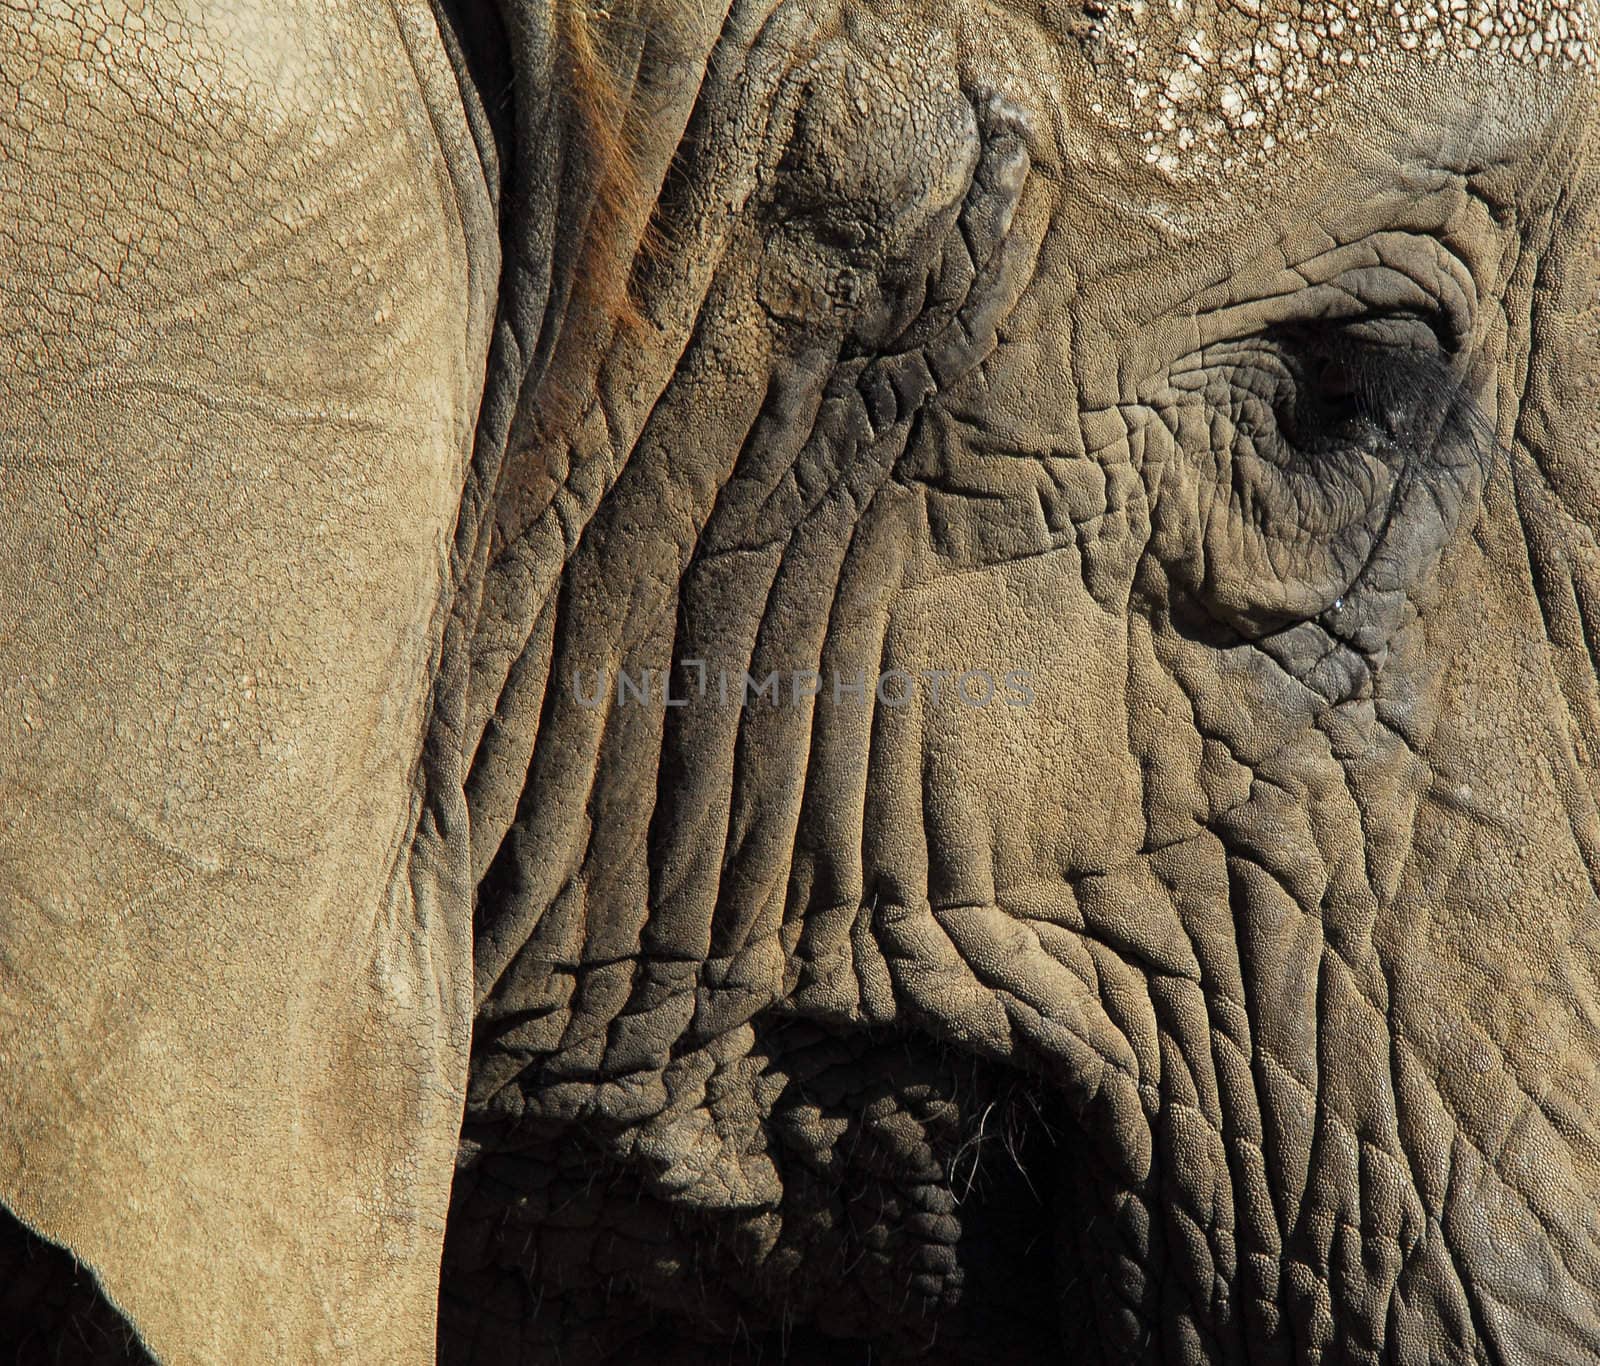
[1402, 331]
[1396, 276]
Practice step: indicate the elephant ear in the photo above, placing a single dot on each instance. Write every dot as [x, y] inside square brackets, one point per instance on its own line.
[248, 256]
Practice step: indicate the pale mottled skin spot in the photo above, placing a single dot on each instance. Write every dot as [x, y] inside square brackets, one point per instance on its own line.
[1207, 89]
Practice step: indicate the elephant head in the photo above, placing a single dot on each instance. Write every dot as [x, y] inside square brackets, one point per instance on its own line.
[806, 676]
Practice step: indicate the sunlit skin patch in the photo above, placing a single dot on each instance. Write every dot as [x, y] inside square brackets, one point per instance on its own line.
[1230, 985]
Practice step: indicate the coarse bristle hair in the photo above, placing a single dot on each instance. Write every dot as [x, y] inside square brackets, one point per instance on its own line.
[597, 59]
[618, 227]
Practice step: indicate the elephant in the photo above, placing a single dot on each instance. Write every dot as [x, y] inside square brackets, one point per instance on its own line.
[803, 680]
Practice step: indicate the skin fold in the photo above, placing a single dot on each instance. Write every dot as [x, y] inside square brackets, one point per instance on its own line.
[385, 385]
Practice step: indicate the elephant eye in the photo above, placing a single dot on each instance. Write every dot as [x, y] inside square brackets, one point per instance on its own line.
[1336, 457]
[1388, 385]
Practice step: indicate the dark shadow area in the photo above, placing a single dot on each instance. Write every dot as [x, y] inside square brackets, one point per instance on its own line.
[51, 1310]
[923, 1195]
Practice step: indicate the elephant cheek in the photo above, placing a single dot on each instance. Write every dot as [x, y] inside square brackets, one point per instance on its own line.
[1004, 805]
[1018, 731]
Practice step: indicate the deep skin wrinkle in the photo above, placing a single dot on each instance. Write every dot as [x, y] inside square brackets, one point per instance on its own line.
[1105, 348]
[1225, 372]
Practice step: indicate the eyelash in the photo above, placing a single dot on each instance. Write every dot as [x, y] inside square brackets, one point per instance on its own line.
[1412, 397]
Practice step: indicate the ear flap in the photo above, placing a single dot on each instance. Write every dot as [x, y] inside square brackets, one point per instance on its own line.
[249, 285]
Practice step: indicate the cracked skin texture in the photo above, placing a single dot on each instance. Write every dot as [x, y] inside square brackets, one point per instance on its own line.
[1235, 1000]
[237, 415]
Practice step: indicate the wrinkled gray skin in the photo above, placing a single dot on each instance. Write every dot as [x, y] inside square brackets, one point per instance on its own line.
[1229, 374]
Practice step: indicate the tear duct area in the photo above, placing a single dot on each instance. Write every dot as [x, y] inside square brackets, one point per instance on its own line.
[1252, 955]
